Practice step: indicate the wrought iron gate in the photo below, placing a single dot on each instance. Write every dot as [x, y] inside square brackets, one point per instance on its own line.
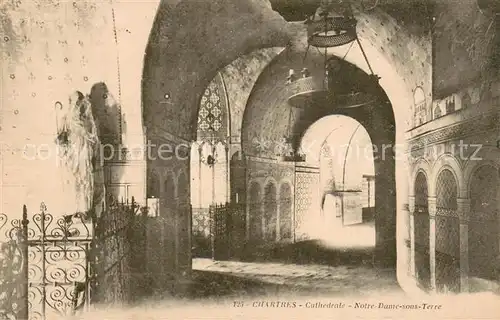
[58, 266]
[227, 230]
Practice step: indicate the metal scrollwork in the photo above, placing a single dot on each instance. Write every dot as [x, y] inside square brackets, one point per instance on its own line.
[61, 264]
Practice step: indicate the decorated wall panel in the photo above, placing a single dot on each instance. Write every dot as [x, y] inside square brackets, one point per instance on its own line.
[270, 211]
[255, 212]
[285, 212]
[306, 203]
[447, 233]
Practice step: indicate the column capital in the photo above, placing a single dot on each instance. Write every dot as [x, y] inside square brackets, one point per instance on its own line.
[432, 203]
[411, 204]
[463, 210]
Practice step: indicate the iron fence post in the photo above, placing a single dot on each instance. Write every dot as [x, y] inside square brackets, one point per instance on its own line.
[24, 312]
[44, 289]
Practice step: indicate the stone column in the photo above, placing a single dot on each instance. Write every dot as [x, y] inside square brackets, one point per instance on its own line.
[432, 240]
[200, 182]
[228, 174]
[278, 212]
[463, 209]
[411, 208]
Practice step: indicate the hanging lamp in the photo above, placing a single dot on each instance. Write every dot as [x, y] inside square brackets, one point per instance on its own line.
[292, 153]
[333, 25]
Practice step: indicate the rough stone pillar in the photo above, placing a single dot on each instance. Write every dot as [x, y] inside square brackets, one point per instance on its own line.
[411, 207]
[278, 213]
[432, 241]
[463, 208]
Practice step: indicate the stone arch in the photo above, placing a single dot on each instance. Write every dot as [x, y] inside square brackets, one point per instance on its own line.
[200, 59]
[447, 161]
[213, 114]
[421, 165]
[486, 155]
[483, 228]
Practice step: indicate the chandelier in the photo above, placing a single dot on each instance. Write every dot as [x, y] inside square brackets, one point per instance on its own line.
[291, 153]
[332, 25]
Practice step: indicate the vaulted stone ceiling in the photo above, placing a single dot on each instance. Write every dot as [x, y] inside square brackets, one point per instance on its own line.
[198, 40]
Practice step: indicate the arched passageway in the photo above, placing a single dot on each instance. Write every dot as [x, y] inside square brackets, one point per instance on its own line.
[172, 102]
[346, 186]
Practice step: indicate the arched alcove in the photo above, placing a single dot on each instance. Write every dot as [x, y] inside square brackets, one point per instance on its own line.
[483, 235]
[447, 233]
[420, 107]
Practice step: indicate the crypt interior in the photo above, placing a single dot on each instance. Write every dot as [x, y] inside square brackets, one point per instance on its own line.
[357, 138]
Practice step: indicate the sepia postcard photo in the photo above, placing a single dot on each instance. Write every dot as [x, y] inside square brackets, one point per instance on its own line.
[249, 159]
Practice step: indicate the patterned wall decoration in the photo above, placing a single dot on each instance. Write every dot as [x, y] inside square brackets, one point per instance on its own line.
[447, 233]
[270, 211]
[305, 185]
[201, 232]
[482, 123]
[483, 223]
[255, 211]
[213, 114]
[285, 212]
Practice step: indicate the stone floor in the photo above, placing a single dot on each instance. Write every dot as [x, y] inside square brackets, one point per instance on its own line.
[252, 279]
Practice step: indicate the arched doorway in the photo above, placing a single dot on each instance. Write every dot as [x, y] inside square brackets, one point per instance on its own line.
[447, 233]
[270, 212]
[421, 232]
[184, 93]
[483, 223]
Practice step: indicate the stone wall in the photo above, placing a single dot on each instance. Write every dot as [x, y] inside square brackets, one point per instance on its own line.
[67, 46]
